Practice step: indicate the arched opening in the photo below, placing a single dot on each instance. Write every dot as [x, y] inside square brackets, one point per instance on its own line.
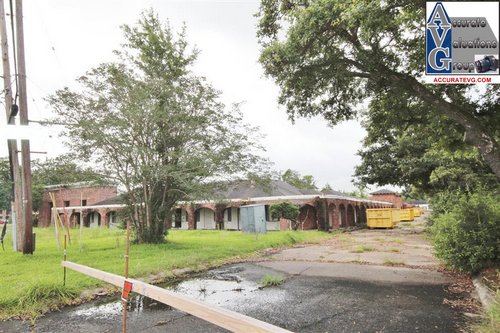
[342, 216]
[205, 218]
[351, 219]
[74, 219]
[112, 218]
[307, 218]
[93, 220]
[357, 215]
[180, 220]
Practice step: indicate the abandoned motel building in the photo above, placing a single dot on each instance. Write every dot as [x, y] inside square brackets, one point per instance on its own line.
[99, 206]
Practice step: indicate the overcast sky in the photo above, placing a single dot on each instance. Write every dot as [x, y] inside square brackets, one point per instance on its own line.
[64, 38]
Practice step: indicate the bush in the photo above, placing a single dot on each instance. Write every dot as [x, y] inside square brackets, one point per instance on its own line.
[467, 233]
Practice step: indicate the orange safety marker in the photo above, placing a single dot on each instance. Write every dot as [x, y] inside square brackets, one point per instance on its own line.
[127, 289]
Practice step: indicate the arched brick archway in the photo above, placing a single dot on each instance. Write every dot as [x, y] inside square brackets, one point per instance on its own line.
[205, 218]
[342, 216]
[357, 215]
[74, 219]
[307, 217]
[351, 219]
[112, 219]
[92, 220]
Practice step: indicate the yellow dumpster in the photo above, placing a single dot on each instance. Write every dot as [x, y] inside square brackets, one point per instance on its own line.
[416, 211]
[382, 217]
[407, 214]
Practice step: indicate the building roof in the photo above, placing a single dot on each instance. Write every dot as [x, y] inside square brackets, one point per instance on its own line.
[111, 201]
[76, 185]
[332, 192]
[384, 191]
[247, 189]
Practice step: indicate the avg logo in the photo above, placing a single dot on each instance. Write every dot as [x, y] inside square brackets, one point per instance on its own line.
[438, 41]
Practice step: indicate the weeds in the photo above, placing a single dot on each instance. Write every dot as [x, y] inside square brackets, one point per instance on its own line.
[45, 292]
[491, 321]
[363, 248]
[271, 281]
[389, 262]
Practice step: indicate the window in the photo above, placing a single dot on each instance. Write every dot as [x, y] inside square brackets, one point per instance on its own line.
[229, 214]
[84, 202]
[197, 214]
[66, 203]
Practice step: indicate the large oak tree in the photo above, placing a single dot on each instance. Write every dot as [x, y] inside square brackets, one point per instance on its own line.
[329, 56]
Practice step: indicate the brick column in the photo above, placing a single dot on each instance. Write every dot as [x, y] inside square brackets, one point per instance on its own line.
[334, 213]
[321, 214]
[104, 218]
[219, 216]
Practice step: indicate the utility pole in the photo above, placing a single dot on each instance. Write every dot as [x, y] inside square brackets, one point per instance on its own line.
[25, 144]
[16, 193]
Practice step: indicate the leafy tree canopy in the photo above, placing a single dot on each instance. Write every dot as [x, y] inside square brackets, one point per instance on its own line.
[294, 178]
[284, 210]
[329, 56]
[5, 184]
[419, 148]
[157, 128]
[327, 188]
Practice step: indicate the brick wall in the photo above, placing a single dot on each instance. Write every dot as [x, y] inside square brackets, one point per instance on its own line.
[394, 198]
[93, 195]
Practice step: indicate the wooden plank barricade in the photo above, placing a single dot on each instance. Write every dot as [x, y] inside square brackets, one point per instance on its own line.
[227, 319]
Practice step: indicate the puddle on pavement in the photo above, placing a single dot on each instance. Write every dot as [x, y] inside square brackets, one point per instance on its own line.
[216, 287]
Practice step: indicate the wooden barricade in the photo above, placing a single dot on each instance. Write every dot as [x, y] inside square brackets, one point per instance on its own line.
[227, 319]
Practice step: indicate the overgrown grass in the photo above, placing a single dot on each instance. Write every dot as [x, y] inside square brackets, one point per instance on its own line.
[32, 284]
[491, 321]
[271, 281]
[363, 248]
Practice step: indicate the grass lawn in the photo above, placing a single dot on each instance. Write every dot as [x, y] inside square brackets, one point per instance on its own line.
[32, 284]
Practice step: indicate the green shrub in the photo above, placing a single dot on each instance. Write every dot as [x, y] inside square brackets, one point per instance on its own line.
[467, 233]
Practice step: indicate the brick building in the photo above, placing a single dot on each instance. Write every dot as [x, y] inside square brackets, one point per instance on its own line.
[323, 211]
[72, 197]
[388, 196]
